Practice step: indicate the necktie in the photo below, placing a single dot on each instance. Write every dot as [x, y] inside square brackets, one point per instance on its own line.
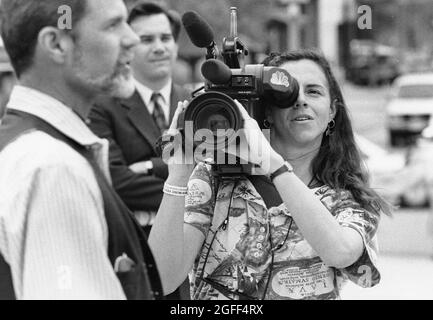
[158, 113]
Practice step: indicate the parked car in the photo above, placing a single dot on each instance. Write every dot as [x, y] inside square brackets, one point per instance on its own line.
[409, 108]
[420, 166]
[398, 176]
[372, 63]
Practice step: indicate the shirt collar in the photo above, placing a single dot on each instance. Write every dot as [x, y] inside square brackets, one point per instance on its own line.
[146, 93]
[54, 112]
[166, 92]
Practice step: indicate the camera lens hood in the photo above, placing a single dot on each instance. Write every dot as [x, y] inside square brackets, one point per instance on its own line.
[217, 115]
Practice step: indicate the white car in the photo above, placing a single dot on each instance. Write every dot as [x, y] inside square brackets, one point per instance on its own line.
[398, 176]
[410, 107]
[420, 166]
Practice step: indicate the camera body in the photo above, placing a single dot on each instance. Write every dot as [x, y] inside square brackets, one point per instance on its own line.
[213, 108]
[254, 86]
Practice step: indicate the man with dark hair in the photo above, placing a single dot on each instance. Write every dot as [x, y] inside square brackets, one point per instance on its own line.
[133, 125]
[64, 233]
[21, 23]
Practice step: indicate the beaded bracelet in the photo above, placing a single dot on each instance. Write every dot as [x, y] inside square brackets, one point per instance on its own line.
[175, 191]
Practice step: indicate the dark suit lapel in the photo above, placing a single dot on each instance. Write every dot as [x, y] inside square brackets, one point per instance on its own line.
[140, 117]
[174, 99]
[177, 94]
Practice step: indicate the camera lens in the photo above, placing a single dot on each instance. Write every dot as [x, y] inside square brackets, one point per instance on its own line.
[217, 114]
[217, 122]
[213, 118]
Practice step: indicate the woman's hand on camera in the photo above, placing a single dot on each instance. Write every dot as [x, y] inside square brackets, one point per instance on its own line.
[180, 165]
[258, 149]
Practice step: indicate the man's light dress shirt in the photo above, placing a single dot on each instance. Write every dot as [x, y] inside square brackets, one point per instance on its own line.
[53, 231]
[147, 218]
[164, 100]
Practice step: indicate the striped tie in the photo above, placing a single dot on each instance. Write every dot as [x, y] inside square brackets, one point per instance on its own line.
[158, 113]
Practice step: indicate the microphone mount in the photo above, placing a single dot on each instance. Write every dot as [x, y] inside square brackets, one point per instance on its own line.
[233, 47]
[212, 51]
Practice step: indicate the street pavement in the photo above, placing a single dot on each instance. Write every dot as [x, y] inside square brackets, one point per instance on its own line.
[402, 278]
[405, 259]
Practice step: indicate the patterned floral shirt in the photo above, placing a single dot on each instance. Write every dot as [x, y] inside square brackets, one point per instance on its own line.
[246, 242]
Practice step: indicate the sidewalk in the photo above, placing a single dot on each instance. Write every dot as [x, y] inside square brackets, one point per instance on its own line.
[409, 232]
[403, 278]
[405, 259]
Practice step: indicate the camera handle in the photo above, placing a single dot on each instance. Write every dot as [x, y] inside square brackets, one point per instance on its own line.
[232, 45]
[232, 49]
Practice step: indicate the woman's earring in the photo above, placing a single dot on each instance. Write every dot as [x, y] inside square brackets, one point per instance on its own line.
[330, 129]
[266, 124]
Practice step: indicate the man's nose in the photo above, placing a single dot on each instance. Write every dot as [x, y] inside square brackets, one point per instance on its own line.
[158, 45]
[130, 38]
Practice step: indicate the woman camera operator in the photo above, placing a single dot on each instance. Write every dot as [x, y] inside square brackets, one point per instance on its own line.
[309, 229]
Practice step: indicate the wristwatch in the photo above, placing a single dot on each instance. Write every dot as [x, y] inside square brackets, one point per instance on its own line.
[286, 167]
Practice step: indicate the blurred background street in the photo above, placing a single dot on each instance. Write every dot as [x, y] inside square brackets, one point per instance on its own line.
[406, 239]
[367, 108]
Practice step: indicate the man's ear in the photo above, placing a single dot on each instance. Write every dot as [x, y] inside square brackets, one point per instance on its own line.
[54, 44]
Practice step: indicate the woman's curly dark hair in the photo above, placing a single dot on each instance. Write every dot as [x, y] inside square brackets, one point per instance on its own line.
[338, 163]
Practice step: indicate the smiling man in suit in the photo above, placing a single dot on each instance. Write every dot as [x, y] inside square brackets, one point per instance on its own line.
[133, 125]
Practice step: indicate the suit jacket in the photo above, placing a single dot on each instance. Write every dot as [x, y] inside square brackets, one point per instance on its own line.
[132, 134]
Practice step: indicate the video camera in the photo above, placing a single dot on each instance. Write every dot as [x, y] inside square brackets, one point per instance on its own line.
[253, 85]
